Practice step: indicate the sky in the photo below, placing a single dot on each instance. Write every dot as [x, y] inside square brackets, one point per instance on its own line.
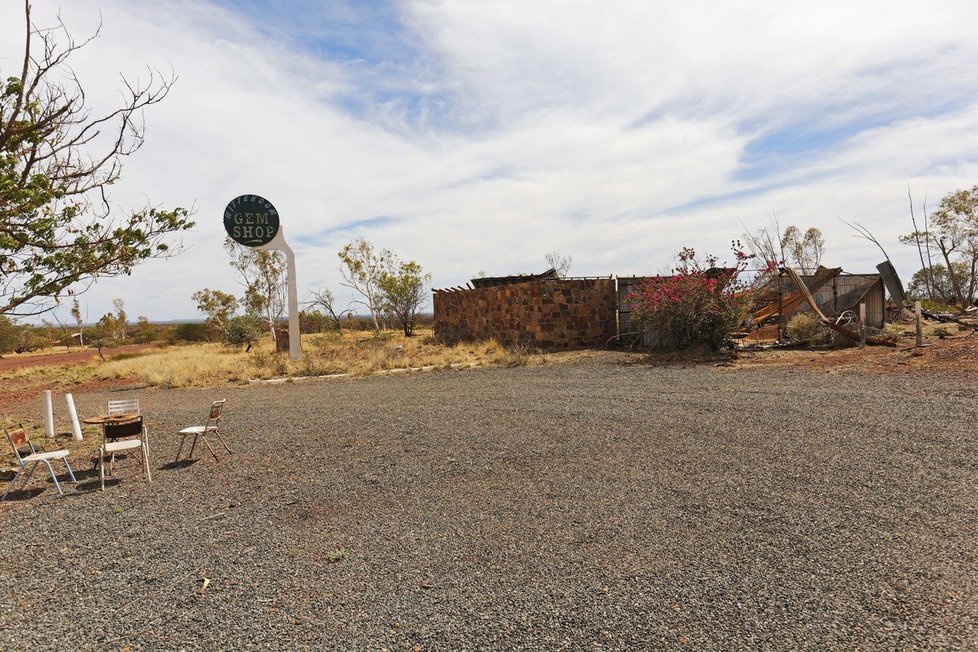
[479, 136]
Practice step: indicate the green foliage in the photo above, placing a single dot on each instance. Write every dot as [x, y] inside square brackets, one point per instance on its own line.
[145, 332]
[952, 236]
[114, 325]
[243, 330]
[313, 321]
[218, 306]
[263, 274]
[404, 289]
[57, 226]
[699, 304]
[775, 248]
[191, 332]
[10, 335]
[934, 284]
[362, 268]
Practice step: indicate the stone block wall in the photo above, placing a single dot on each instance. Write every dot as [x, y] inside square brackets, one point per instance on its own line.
[548, 314]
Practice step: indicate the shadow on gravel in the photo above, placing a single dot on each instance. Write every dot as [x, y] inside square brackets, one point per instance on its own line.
[94, 485]
[24, 494]
[182, 464]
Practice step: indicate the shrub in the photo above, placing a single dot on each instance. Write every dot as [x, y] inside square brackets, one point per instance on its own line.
[191, 332]
[700, 304]
[10, 335]
[243, 330]
[806, 326]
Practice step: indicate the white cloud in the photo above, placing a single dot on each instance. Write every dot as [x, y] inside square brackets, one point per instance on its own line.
[614, 132]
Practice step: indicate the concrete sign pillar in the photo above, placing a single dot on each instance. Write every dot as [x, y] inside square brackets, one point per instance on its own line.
[252, 221]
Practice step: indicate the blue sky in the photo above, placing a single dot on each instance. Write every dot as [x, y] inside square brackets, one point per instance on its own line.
[478, 136]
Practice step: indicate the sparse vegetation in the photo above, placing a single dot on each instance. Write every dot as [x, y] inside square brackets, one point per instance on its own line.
[354, 353]
[807, 327]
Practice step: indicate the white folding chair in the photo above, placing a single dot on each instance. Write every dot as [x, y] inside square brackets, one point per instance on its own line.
[19, 441]
[200, 432]
[126, 436]
[124, 406]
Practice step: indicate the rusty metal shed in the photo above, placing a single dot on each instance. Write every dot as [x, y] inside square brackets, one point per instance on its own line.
[846, 291]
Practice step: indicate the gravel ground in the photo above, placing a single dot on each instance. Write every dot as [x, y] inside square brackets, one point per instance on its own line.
[590, 505]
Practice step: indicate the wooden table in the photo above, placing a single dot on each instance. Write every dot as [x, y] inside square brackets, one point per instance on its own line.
[111, 419]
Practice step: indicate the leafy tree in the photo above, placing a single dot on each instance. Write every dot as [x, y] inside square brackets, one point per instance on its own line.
[802, 251]
[404, 289]
[934, 284]
[243, 330]
[190, 332]
[121, 323]
[559, 263]
[114, 325]
[10, 335]
[77, 316]
[953, 232]
[145, 331]
[58, 161]
[263, 274]
[362, 269]
[218, 306]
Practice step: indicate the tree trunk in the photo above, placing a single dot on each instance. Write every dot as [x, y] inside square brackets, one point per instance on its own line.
[955, 281]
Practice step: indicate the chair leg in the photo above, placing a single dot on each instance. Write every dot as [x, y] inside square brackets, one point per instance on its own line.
[70, 472]
[193, 446]
[203, 438]
[27, 478]
[180, 449]
[149, 476]
[101, 468]
[218, 433]
[54, 477]
[11, 484]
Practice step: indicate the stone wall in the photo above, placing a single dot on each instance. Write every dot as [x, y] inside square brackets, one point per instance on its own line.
[549, 314]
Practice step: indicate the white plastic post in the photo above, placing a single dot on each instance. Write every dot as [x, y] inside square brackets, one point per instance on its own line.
[48, 414]
[76, 432]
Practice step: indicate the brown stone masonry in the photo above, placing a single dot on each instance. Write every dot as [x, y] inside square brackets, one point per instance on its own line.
[550, 314]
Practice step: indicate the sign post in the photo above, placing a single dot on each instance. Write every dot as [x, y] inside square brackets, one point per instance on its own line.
[252, 221]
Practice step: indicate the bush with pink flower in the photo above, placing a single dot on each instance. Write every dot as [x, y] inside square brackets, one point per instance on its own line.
[701, 303]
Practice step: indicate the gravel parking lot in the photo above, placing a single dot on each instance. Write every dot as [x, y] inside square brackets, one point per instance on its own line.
[588, 505]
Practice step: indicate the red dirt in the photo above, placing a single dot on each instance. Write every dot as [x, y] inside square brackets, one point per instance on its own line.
[950, 356]
[15, 361]
[19, 395]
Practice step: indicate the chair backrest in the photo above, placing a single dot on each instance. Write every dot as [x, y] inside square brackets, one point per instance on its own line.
[18, 439]
[124, 406]
[217, 407]
[121, 430]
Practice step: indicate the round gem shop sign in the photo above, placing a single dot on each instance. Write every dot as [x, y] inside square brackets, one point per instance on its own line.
[251, 220]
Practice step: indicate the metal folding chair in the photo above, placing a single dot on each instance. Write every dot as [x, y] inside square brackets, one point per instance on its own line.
[21, 445]
[124, 406]
[119, 437]
[200, 432]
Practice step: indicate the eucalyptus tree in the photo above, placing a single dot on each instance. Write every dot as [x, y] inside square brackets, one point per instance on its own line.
[59, 230]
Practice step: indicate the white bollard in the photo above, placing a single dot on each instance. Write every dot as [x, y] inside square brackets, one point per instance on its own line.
[76, 432]
[48, 414]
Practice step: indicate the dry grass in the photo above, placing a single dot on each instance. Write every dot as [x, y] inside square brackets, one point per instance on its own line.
[357, 353]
